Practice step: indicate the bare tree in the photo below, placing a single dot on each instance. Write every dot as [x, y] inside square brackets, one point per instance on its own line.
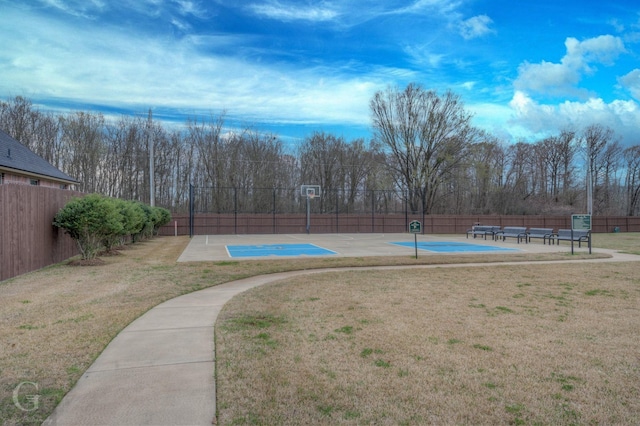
[36, 130]
[260, 156]
[212, 160]
[632, 180]
[612, 196]
[594, 141]
[484, 175]
[321, 159]
[16, 119]
[519, 179]
[426, 135]
[555, 165]
[83, 136]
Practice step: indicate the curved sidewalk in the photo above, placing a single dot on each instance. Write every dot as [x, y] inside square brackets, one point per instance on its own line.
[160, 369]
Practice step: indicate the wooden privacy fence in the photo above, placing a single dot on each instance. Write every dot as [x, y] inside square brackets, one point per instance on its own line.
[230, 223]
[28, 240]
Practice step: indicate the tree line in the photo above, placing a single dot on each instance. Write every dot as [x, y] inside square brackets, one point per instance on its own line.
[424, 154]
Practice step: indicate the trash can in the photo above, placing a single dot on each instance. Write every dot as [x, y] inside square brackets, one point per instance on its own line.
[616, 229]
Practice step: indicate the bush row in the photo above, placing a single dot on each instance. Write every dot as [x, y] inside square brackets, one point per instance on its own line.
[99, 223]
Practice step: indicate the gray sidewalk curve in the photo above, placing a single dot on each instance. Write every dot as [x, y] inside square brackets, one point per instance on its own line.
[160, 369]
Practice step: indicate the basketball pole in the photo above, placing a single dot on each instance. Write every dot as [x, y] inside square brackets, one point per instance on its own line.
[308, 214]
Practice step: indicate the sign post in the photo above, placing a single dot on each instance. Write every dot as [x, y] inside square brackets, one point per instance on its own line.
[580, 222]
[415, 227]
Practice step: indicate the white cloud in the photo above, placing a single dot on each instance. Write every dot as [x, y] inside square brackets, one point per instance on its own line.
[616, 24]
[603, 49]
[631, 82]
[562, 78]
[420, 6]
[620, 115]
[99, 65]
[289, 12]
[353, 12]
[186, 7]
[549, 78]
[423, 56]
[475, 27]
[468, 85]
[80, 8]
[180, 25]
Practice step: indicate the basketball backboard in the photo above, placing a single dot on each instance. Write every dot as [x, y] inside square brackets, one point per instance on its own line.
[310, 191]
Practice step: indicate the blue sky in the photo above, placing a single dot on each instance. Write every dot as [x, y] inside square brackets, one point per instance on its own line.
[525, 69]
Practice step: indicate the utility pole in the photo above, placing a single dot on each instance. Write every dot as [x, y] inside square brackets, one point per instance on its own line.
[589, 180]
[152, 197]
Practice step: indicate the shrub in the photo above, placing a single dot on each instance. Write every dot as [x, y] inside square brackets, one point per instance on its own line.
[149, 219]
[89, 221]
[164, 217]
[132, 218]
[155, 217]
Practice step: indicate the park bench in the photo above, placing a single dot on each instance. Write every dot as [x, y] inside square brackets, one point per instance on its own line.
[517, 232]
[544, 233]
[579, 235]
[483, 230]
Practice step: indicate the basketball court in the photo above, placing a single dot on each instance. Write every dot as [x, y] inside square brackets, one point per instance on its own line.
[279, 250]
[279, 246]
[453, 247]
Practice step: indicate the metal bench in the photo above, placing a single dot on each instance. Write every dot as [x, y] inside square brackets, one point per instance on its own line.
[518, 232]
[483, 230]
[579, 235]
[544, 233]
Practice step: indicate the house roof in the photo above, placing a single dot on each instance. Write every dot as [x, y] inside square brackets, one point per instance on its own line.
[14, 155]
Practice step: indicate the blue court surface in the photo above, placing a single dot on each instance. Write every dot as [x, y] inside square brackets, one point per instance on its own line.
[451, 247]
[264, 250]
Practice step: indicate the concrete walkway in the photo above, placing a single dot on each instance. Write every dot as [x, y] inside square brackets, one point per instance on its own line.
[160, 369]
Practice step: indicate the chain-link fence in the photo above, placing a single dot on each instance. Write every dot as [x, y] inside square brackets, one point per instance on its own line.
[290, 200]
[281, 207]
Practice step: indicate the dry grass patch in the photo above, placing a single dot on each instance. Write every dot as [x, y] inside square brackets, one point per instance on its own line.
[487, 345]
[56, 321]
[627, 242]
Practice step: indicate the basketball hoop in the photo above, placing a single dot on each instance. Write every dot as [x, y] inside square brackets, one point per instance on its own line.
[310, 191]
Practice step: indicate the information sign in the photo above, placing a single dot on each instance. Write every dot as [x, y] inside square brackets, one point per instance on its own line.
[581, 221]
[415, 227]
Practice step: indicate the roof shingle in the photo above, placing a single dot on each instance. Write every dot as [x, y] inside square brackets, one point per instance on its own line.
[14, 155]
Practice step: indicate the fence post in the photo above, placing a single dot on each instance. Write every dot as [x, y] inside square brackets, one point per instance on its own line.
[191, 212]
[274, 210]
[406, 210]
[373, 212]
[235, 210]
[337, 214]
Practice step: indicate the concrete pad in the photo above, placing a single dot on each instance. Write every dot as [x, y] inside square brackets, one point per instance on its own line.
[213, 247]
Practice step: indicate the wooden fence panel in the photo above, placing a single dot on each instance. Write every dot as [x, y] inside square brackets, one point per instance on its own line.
[28, 240]
[293, 223]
